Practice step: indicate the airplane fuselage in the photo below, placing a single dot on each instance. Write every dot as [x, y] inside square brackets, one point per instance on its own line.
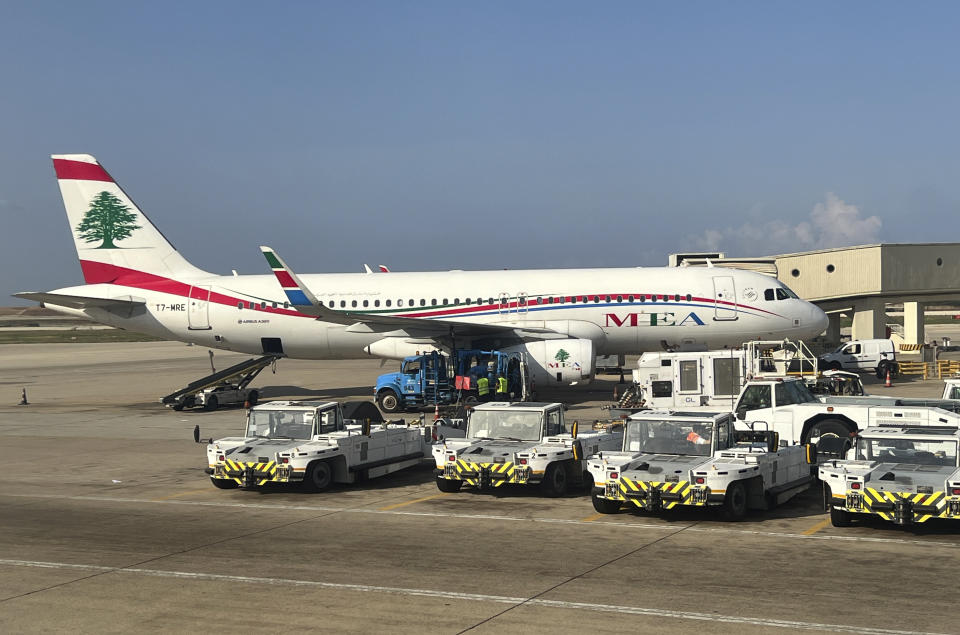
[627, 310]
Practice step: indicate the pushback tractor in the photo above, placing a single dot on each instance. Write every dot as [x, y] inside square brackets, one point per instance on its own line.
[520, 444]
[311, 443]
[898, 473]
[671, 460]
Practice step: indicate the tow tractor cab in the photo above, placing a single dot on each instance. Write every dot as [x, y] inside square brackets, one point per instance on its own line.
[951, 389]
[310, 442]
[899, 473]
[520, 443]
[675, 459]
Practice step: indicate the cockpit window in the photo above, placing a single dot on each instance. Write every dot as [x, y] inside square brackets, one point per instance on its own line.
[781, 294]
[768, 295]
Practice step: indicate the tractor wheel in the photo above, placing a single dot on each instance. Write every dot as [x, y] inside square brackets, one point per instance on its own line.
[833, 438]
[212, 403]
[605, 505]
[224, 483]
[555, 480]
[449, 485]
[253, 397]
[735, 502]
[840, 517]
[319, 476]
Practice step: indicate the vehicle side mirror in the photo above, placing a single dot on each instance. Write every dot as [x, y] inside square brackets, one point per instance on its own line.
[196, 433]
[811, 454]
[365, 428]
[741, 414]
[575, 429]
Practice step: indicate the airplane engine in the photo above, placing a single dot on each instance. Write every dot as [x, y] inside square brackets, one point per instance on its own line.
[399, 347]
[563, 361]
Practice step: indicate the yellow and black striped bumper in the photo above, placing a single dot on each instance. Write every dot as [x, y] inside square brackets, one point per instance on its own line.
[900, 507]
[656, 495]
[486, 475]
[251, 473]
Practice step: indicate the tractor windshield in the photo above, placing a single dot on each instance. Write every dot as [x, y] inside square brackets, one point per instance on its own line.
[502, 424]
[668, 437]
[911, 451]
[280, 424]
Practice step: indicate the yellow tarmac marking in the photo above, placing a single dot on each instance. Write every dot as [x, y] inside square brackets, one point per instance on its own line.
[178, 495]
[820, 525]
[416, 500]
[590, 519]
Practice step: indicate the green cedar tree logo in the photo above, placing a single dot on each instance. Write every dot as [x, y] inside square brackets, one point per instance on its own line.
[562, 356]
[108, 219]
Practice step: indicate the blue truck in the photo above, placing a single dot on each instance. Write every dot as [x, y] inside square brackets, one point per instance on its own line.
[434, 379]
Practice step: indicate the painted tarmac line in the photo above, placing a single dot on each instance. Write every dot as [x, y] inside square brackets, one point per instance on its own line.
[414, 501]
[472, 597]
[592, 517]
[496, 517]
[180, 494]
[823, 524]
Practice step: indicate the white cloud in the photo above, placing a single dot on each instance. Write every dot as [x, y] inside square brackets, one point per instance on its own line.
[833, 223]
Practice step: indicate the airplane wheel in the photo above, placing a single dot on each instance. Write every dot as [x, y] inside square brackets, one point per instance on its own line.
[212, 403]
[388, 401]
[224, 483]
[449, 485]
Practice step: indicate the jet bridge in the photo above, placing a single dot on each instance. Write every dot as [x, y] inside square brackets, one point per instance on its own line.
[239, 374]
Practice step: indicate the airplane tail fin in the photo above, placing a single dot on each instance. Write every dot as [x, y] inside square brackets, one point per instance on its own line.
[114, 239]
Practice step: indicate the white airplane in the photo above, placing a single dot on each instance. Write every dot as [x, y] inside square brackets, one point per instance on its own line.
[562, 318]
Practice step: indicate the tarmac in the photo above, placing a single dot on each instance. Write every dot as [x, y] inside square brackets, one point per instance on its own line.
[109, 524]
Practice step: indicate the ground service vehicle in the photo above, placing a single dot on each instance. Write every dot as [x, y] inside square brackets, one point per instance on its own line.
[878, 356]
[900, 473]
[523, 444]
[789, 408]
[310, 442]
[677, 459]
[435, 379]
[951, 389]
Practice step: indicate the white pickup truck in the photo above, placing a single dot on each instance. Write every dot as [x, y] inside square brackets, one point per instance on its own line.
[520, 443]
[310, 443]
[830, 422]
[698, 459]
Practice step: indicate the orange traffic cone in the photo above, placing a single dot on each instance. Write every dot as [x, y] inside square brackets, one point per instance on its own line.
[436, 412]
[889, 383]
[615, 395]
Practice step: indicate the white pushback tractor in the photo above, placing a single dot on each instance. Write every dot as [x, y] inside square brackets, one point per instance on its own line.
[311, 443]
[523, 444]
[899, 473]
[672, 460]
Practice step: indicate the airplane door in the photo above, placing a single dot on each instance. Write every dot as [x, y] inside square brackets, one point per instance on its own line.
[725, 298]
[198, 313]
[521, 302]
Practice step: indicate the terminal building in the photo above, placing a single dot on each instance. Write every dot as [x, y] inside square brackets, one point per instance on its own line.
[861, 281]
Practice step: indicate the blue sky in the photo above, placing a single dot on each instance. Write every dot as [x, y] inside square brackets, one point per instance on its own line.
[439, 135]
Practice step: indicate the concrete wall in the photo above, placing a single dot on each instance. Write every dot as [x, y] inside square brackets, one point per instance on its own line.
[914, 268]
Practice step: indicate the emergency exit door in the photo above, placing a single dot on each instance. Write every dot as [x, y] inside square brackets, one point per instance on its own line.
[725, 298]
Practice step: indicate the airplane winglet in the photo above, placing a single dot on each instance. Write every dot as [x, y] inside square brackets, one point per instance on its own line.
[297, 293]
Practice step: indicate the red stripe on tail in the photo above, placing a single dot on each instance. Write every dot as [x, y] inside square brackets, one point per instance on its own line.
[80, 170]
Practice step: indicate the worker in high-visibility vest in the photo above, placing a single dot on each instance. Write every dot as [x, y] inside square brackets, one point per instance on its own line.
[501, 387]
[483, 388]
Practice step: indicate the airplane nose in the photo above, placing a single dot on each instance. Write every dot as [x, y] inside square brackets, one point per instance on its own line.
[818, 319]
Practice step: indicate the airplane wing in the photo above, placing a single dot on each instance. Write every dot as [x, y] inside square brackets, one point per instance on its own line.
[302, 299]
[81, 302]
